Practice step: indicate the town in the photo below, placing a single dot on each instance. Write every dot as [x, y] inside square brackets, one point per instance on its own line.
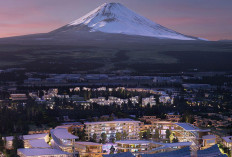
[64, 115]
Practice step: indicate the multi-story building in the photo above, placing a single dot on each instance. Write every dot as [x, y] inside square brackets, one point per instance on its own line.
[185, 132]
[161, 126]
[227, 142]
[63, 140]
[86, 149]
[110, 128]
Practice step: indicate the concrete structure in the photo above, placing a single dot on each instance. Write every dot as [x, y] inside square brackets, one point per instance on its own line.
[132, 128]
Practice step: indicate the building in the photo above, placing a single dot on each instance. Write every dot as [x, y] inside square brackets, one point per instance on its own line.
[185, 132]
[184, 152]
[127, 154]
[38, 143]
[26, 139]
[86, 149]
[208, 141]
[173, 118]
[63, 140]
[161, 126]
[110, 128]
[151, 101]
[149, 119]
[166, 99]
[18, 97]
[139, 147]
[38, 152]
[134, 146]
[227, 142]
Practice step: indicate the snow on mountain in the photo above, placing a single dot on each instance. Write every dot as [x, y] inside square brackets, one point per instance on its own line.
[116, 18]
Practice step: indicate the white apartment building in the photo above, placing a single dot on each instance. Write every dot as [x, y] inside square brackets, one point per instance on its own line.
[151, 100]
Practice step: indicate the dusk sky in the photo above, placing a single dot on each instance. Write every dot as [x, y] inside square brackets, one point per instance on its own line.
[210, 19]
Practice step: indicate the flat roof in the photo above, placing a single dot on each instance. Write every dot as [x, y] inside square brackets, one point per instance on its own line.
[28, 137]
[39, 143]
[41, 151]
[133, 142]
[63, 133]
[89, 143]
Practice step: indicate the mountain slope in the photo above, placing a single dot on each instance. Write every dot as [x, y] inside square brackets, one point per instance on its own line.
[116, 18]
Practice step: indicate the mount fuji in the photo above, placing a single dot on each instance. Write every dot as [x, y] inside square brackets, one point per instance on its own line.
[117, 19]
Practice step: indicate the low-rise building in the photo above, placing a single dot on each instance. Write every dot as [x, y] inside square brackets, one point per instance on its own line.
[227, 142]
[86, 149]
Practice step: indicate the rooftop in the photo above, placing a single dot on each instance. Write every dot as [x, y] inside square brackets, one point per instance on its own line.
[39, 143]
[227, 139]
[176, 153]
[188, 127]
[88, 143]
[40, 152]
[28, 137]
[63, 133]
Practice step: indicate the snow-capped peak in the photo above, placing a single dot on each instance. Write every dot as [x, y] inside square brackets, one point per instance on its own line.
[116, 18]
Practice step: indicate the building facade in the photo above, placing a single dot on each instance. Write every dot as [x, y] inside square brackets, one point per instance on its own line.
[110, 128]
